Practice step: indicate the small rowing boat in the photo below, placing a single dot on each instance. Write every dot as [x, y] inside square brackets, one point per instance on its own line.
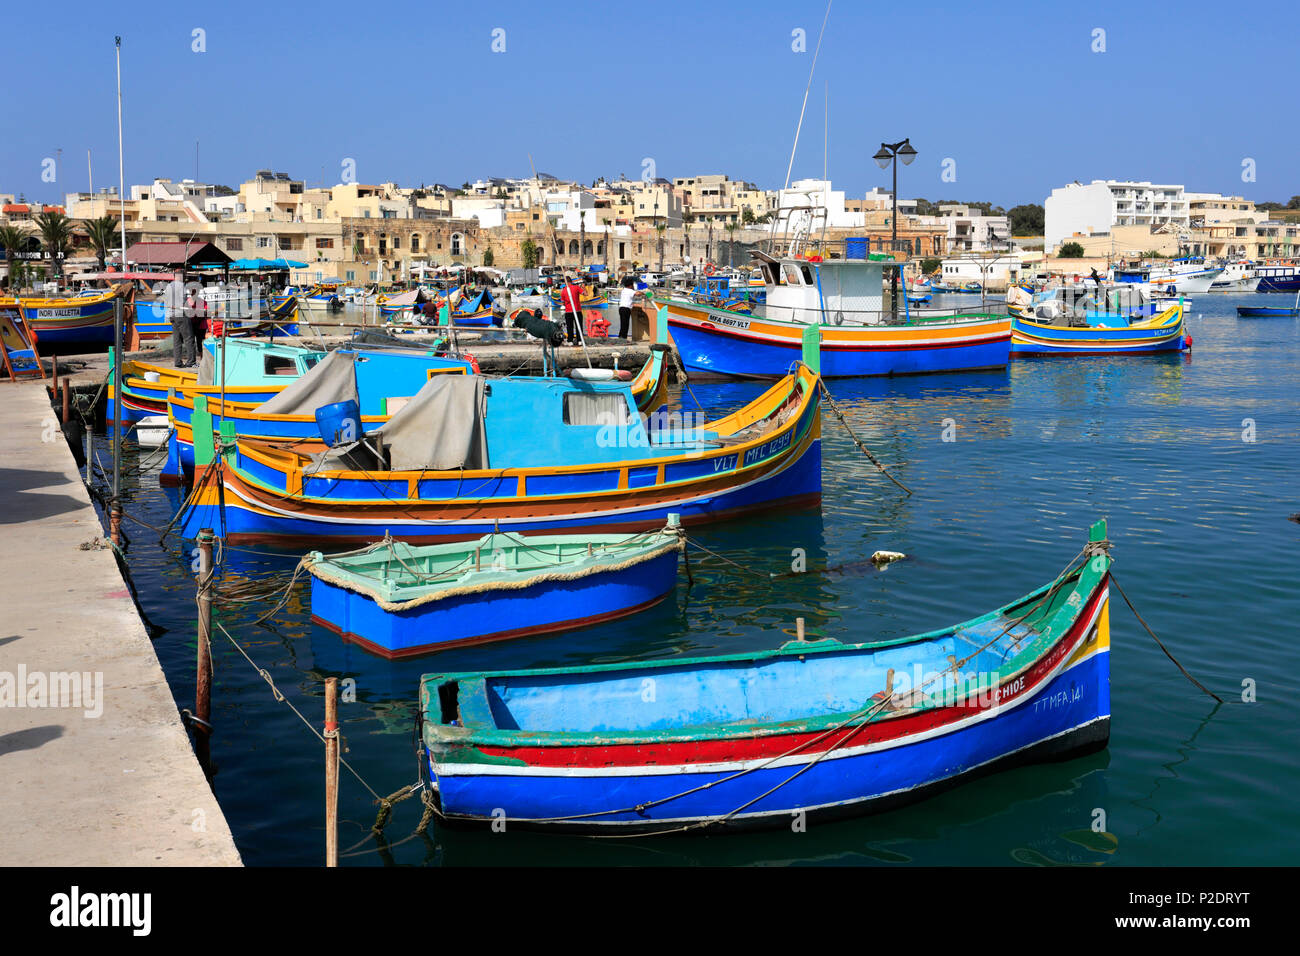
[398, 600]
[816, 728]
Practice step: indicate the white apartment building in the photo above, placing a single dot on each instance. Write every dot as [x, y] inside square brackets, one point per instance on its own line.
[1101, 204]
[819, 192]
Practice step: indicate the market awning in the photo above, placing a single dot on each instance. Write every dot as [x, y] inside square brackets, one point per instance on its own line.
[267, 265]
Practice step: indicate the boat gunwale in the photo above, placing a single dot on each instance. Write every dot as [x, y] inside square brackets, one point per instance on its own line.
[288, 462]
[460, 738]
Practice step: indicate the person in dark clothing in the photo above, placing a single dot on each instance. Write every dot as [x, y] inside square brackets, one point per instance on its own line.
[625, 297]
[571, 303]
[184, 348]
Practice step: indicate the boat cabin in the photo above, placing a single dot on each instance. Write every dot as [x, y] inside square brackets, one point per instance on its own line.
[830, 291]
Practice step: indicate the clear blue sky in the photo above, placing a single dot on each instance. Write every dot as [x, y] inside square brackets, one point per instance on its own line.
[412, 91]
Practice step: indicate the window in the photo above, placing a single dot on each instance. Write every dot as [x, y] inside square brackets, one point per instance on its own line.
[595, 408]
[373, 275]
[415, 242]
[351, 275]
[279, 365]
[324, 243]
[235, 245]
[397, 242]
[263, 242]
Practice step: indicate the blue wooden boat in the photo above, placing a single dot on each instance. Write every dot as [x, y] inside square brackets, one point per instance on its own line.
[815, 728]
[1265, 312]
[398, 600]
[254, 371]
[1102, 334]
[1269, 312]
[529, 455]
[843, 301]
[374, 379]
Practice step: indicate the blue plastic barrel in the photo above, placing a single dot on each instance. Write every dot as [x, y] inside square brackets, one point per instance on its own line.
[339, 422]
[856, 247]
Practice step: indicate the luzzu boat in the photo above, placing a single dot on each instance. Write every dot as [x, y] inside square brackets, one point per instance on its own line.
[470, 455]
[254, 371]
[84, 319]
[397, 600]
[587, 300]
[1098, 334]
[379, 381]
[843, 299]
[814, 728]
[375, 379]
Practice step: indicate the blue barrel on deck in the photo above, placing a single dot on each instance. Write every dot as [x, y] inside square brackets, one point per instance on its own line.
[339, 422]
[855, 247]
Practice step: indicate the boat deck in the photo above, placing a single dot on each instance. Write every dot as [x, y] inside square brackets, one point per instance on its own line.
[119, 788]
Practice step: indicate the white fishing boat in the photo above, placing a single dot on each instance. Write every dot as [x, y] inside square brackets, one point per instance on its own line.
[1237, 276]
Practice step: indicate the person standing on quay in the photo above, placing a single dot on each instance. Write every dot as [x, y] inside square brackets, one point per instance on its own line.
[625, 297]
[183, 347]
[571, 303]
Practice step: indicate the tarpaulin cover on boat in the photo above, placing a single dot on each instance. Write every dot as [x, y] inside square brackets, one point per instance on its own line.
[207, 368]
[441, 428]
[413, 297]
[333, 379]
[474, 304]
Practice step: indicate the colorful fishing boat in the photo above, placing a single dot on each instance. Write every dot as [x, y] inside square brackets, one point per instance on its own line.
[1100, 334]
[398, 600]
[843, 300]
[254, 371]
[84, 319]
[529, 455]
[378, 381]
[813, 729]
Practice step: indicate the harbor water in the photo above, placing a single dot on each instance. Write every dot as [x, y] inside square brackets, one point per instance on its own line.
[1193, 458]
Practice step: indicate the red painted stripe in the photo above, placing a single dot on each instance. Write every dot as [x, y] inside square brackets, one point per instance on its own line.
[724, 750]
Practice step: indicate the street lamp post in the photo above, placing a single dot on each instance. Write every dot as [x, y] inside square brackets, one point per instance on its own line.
[890, 153]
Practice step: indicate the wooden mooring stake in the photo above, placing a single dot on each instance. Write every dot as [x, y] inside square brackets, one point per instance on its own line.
[331, 771]
[203, 678]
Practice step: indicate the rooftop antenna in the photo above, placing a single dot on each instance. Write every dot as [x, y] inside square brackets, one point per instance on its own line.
[802, 108]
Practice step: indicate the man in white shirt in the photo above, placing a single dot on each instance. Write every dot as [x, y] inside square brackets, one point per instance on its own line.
[625, 297]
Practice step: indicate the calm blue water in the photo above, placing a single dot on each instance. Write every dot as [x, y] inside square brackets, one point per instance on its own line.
[1203, 545]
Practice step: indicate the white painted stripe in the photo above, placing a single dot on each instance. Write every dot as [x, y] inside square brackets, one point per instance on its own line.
[489, 770]
[785, 812]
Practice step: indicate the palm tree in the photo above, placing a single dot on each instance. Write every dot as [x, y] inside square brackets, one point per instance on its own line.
[56, 236]
[708, 246]
[687, 219]
[661, 228]
[11, 240]
[102, 232]
[731, 228]
[582, 238]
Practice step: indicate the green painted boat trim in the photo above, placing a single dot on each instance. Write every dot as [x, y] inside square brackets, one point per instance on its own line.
[399, 576]
[1052, 620]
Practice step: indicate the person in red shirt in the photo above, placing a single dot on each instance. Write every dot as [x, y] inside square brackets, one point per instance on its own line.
[571, 303]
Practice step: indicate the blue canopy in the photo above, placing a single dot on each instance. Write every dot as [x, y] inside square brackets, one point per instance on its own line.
[267, 265]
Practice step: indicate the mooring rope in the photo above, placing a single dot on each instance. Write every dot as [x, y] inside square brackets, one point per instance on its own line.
[1161, 645]
[856, 440]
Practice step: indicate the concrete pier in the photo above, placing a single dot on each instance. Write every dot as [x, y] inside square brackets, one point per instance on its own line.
[96, 768]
